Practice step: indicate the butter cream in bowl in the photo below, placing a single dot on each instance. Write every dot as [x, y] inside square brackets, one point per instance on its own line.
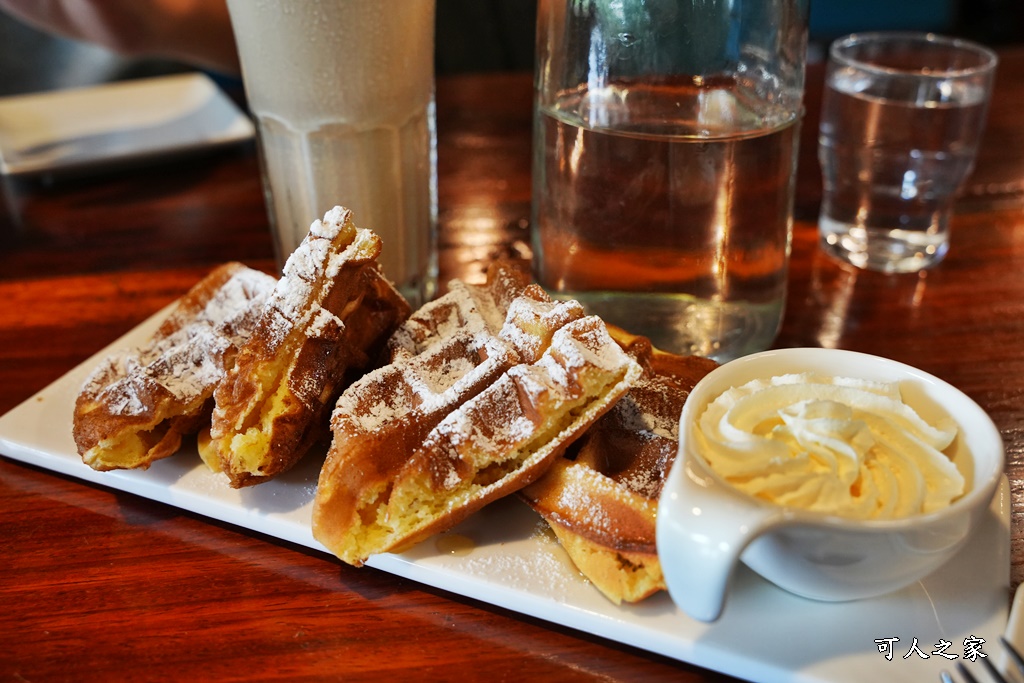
[833, 474]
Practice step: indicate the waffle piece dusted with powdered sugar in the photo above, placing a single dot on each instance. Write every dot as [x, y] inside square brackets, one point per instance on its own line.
[601, 498]
[330, 314]
[466, 308]
[136, 405]
[468, 412]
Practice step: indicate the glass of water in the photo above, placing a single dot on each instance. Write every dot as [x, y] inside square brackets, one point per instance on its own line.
[665, 147]
[901, 120]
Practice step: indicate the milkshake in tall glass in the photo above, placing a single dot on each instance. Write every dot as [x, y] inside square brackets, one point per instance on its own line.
[343, 95]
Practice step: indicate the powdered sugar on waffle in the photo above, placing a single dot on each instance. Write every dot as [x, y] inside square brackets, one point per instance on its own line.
[322, 320]
[532, 317]
[641, 421]
[647, 482]
[489, 425]
[464, 309]
[494, 426]
[547, 342]
[309, 266]
[486, 386]
[188, 362]
[440, 351]
[581, 488]
[433, 381]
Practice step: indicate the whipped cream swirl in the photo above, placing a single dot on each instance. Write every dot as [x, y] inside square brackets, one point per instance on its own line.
[834, 445]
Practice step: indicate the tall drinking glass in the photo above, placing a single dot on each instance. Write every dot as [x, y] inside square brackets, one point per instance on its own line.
[665, 145]
[901, 120]
[343, 95]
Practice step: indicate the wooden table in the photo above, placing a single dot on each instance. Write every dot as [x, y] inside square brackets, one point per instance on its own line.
[96, 583]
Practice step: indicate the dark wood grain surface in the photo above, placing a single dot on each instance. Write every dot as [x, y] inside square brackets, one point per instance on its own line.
[100, 585]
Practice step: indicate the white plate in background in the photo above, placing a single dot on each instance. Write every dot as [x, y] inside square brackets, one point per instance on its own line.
[126, 121]
[765, 634]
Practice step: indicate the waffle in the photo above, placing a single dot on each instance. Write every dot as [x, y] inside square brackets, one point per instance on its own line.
[327, 317]
[466, 308]
[136, 405]
[470, 410]
[602, 497]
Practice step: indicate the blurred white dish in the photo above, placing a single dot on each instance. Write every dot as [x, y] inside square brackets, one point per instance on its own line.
[120, 122]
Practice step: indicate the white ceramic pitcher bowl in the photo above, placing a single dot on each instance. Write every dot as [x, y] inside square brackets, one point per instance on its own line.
[705, 525]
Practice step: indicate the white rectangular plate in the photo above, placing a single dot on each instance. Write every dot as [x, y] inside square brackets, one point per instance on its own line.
[119, 122]
[510, 561]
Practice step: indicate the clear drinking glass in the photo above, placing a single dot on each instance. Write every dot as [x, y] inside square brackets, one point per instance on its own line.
[343, 95]
[901, 120]
[665, 145]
